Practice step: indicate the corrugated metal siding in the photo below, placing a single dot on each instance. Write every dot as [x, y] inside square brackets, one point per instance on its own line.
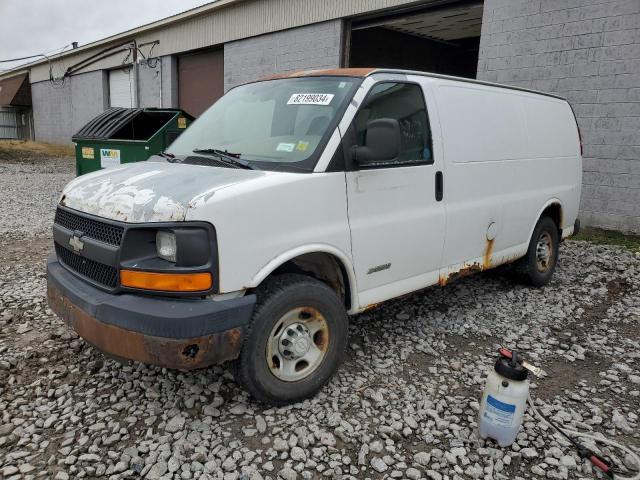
[8, 123]
[11, 123]
[236, 21]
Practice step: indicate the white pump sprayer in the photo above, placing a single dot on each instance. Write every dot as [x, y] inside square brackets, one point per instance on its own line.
[502, 408]
[504, 401]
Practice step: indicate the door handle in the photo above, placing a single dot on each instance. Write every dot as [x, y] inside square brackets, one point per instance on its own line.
[439, 186]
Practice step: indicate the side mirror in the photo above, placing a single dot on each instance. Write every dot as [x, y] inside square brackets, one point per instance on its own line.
[382, 143]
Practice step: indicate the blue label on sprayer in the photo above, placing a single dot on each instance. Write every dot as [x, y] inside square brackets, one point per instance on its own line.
[499, 413]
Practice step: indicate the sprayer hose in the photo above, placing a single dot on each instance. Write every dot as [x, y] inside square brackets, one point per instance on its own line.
[606, 441]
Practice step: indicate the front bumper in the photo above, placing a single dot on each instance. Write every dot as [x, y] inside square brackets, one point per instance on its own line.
[183, 334]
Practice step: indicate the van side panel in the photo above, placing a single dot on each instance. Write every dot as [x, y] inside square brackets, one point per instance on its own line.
[507, 154]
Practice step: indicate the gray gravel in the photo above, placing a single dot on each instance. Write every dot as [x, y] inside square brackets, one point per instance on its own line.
[29, 186]
[404, 405]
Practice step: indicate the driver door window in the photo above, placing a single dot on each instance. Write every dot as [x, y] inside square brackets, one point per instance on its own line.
[405, 103]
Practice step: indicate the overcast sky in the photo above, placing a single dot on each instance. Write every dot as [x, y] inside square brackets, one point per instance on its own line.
[29, 27]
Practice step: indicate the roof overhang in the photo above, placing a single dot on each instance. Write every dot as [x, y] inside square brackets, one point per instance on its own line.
[15, 91]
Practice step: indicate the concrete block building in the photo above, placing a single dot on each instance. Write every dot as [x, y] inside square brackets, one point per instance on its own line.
[585, 50]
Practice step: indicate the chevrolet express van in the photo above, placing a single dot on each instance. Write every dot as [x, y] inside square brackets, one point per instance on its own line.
[296, 201]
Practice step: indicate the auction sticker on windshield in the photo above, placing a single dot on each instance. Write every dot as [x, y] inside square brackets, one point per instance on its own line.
[310, 99]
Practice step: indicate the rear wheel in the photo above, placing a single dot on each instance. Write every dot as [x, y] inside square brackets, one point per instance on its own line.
[542, 255]
[296, 340]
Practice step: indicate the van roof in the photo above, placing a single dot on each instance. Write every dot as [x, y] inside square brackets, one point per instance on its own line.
[367, 71]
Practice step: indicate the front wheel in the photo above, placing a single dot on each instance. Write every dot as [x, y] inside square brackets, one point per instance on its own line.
[295, 342]
[542, 255]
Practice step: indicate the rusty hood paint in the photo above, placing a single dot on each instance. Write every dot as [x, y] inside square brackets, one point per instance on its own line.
[153, 191]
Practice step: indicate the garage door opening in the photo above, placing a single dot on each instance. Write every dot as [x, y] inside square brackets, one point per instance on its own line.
[440, 40]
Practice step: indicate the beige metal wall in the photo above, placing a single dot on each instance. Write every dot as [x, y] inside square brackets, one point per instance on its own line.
[232, 21]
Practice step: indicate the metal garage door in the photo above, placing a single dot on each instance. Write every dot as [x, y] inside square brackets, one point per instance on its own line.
[201, 80]
[121, 88]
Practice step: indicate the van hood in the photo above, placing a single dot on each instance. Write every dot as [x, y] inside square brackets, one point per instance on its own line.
[152, 191]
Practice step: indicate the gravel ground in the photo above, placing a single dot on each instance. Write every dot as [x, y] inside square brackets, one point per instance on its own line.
[29, 185]
[404, 405]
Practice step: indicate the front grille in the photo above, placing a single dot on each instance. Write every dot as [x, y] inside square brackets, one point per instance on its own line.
[103, 232]
[98, 272]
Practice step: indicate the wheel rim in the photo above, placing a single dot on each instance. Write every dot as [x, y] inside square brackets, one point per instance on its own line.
[544, 252]
[297, 344]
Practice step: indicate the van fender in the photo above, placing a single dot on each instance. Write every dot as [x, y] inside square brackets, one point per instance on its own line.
[284, 257]
[547, 204]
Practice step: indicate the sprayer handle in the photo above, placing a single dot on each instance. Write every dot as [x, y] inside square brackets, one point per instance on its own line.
[601, 465]
[505, 353]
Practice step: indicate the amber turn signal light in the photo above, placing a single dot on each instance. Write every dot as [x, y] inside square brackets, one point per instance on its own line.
[166, 282]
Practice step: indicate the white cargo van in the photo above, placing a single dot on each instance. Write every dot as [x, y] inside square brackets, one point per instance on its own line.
[295, 201]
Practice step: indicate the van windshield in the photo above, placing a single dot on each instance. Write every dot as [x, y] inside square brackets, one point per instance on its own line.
[278, 124]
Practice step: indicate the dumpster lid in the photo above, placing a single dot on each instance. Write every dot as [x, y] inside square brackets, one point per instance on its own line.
[107, 123]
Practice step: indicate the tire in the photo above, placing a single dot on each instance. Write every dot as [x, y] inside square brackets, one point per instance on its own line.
[302, 311]
[545, 236]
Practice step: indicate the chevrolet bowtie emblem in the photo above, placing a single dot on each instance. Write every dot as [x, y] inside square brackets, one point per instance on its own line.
[76, 243]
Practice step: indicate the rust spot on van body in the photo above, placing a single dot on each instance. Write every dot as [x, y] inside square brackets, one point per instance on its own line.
[465, 271]
[486, 259]
[370, 307]
[341, 72]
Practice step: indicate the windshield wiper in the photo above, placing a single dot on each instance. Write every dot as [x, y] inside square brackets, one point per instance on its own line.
[226, 157]
[169, 156]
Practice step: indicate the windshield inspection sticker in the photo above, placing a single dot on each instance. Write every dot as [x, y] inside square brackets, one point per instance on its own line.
[310, 99]
[285, 147]
[302, 146]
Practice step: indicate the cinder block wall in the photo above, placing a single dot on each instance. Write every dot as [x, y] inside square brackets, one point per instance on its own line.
[149, 84]
[589, 52]
[308, 47]
[52, 112]
[60, 111]
[169, 79]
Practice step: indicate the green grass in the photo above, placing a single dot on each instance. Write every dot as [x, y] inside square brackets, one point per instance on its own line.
[601, 236]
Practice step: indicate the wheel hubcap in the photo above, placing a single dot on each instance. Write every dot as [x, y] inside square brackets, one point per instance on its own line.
[297, 344]
[295, 341]
[544, 252]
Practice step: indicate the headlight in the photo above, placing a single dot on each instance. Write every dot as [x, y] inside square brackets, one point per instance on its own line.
[166, 245]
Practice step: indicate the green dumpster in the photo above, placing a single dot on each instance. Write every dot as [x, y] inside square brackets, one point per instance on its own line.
[125, 135]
